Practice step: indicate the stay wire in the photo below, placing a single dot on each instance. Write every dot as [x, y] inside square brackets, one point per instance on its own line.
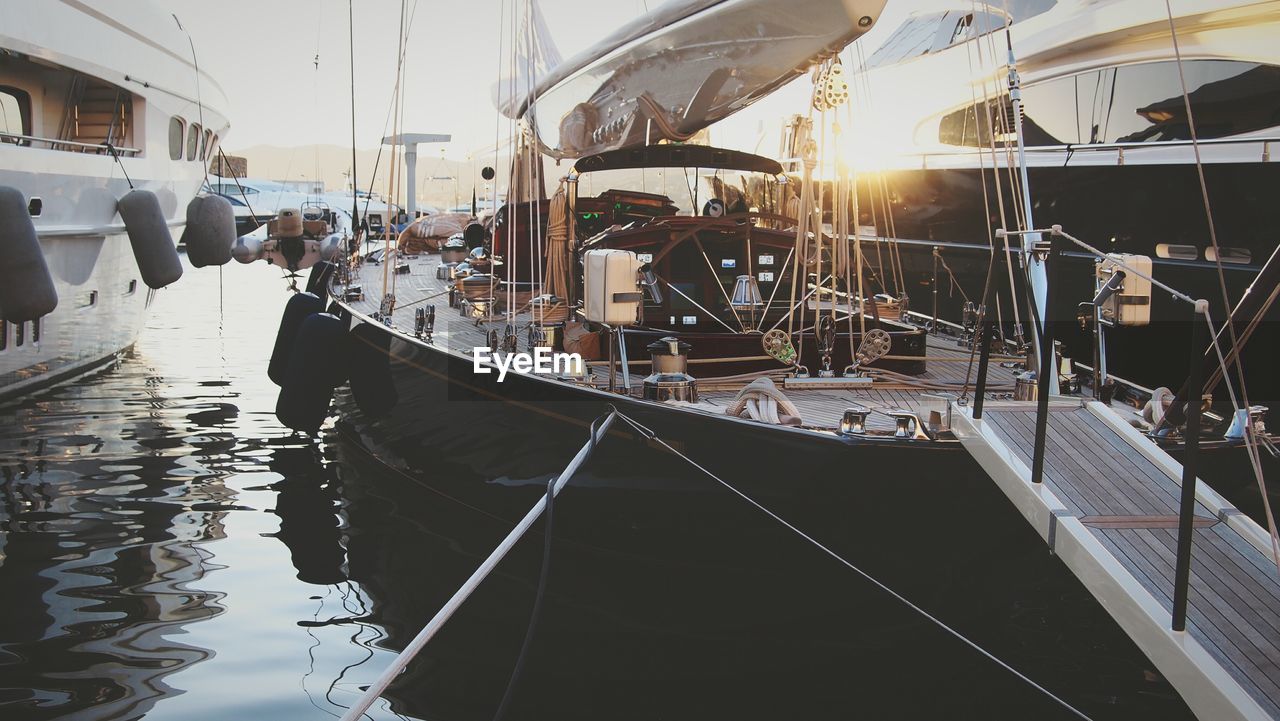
[650, 435]
[1250, 439]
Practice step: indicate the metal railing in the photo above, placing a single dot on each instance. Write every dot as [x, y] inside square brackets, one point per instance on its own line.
[1117, 147]
[1047, 377]
[97, 148]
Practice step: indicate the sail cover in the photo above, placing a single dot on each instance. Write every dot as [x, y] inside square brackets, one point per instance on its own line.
[682, 67]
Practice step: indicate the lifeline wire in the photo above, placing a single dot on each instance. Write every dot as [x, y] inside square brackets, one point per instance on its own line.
[649, 434]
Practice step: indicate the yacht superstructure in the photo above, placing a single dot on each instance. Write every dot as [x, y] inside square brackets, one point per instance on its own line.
[96, 99]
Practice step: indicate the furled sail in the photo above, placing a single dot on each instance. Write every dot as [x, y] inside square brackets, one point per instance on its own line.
[682, 67]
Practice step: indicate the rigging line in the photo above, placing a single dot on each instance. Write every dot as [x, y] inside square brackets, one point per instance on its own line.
[243, 196]
[385, 124]
[535, 208]
[195, 64]
[791, 312]
[392, 187]
[515, 136]
[1250, 440]
[1000, 197]
[649, 434]
[351, 45]
[696, 304]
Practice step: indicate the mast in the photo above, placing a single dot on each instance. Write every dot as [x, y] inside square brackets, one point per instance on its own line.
[1037, 279]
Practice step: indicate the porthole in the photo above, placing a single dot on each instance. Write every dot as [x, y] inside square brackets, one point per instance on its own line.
[1177, 252]
[1239, 256]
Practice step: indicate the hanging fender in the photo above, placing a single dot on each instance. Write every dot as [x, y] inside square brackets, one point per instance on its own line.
[210, 231]
[153, 247]
[247, 249]
[296, 311]
[317, 365]
[318, 280]
[26, 287]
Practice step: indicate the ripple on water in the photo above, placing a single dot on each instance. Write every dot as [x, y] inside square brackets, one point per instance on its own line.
[136, 575]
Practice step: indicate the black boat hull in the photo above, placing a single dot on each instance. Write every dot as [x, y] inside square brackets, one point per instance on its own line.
[674, 597]
[1121, 209]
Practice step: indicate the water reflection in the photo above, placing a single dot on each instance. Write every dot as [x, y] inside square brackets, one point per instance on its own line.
[168, 550]
[148, 519]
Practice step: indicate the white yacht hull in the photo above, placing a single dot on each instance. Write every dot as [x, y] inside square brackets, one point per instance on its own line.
[166, 122]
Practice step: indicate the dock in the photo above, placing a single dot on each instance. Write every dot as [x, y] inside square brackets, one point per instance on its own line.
[1109, 507]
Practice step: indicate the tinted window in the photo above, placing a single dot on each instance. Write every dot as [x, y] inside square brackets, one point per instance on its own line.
[1132, 103]
[1177, 252]
[15, 112]
[1229, 255]
[176, 127]
[193, 142]
[923, 34]
[914, 37]
[1140, 103]
[205, 143]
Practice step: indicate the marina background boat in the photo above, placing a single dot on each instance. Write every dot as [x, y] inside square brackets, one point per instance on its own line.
[1109, 155]
[136, 88]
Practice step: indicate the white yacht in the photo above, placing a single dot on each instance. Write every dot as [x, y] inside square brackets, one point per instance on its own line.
[1108, 147]
[96, 97]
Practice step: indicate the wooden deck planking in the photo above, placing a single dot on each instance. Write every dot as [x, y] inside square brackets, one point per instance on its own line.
[822, 408]
[1203, 619]
[1214, 613]
[1234, 592]
[1077, 478]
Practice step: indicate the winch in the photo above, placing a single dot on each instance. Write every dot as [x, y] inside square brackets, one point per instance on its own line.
[670, 379]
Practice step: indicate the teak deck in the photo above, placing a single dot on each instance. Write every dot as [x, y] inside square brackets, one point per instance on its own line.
[947, 362]
[1109, 506]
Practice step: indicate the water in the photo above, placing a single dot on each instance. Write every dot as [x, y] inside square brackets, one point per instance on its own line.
[168, 550]
[146, 568]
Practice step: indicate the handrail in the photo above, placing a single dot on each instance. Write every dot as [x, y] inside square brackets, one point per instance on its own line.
[1077, 147]
[1057, 230]
[51, 141]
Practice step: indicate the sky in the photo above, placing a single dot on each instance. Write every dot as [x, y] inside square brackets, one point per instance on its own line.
[262, 52]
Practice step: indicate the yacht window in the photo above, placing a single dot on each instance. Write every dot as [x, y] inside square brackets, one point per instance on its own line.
[15, 113]
[37, 326]
[1130, 104]
[4, 335]
[966, 26]
[1239, 256]
[19, 334]
[206, 144]
[176, 129]
[193, 142]
[914, 37]
[1177, 252]
[1020, 10]
[233, 189]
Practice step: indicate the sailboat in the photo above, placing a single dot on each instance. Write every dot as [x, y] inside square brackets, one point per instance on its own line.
[835, 416]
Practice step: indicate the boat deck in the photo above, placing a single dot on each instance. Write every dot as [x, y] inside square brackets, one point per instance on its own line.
[951, 368]
[1109, 507]
[461, 330]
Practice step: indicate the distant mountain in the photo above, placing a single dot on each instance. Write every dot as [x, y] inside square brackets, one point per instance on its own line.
[440, 181]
